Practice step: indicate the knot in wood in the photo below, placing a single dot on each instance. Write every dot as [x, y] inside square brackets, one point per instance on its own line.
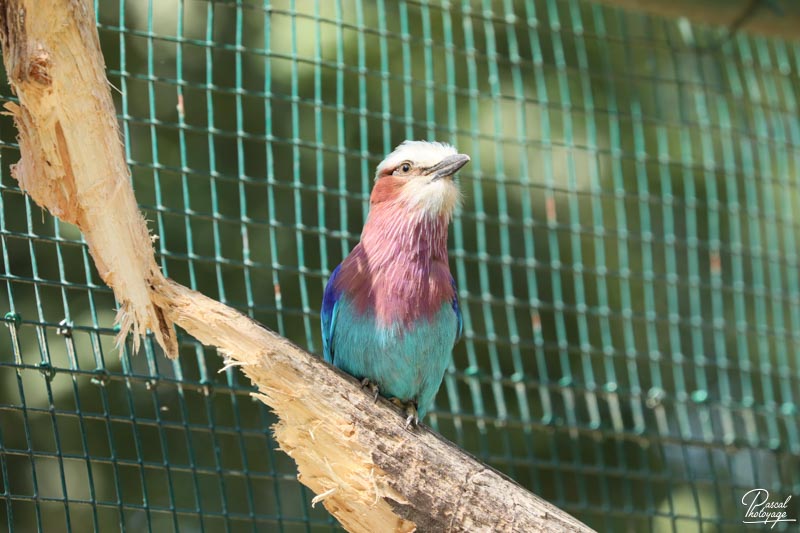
[38, 70]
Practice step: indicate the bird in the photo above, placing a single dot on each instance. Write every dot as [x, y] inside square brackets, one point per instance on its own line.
[390, 312]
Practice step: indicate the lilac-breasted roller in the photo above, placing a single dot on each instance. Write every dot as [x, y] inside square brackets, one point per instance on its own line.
[390, 313]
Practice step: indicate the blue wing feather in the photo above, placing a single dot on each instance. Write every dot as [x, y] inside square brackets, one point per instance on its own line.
[457, 309]
[330, 303]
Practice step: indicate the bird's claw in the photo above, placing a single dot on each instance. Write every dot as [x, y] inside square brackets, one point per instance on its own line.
[410, 409]
[366, 383]
[413, 419]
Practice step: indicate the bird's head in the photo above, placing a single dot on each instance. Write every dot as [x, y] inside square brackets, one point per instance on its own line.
[419, 175]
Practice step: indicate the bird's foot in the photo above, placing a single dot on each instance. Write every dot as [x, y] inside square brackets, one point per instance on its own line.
[366, 383]
[410, 409]
[413, 416]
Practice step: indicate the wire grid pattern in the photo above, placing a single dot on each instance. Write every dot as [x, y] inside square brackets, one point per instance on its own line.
[626, 257]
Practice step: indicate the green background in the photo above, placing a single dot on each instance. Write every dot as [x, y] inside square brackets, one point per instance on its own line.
[626, 257]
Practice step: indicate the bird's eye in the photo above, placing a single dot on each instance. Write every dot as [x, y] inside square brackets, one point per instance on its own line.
[404, 168]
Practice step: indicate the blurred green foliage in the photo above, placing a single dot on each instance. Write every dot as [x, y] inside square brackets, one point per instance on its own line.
[626, 257]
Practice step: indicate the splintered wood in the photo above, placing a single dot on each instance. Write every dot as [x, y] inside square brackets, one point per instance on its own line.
[315, 406]
[365, 467]
[72, 161]
[368, 470]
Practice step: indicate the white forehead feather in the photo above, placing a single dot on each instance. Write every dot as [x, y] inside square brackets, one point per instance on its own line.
[422, 153]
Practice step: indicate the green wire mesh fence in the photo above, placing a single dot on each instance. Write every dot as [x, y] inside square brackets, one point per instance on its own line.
[626, 257]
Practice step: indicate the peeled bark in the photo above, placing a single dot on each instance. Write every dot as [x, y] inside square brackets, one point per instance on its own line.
[371, 473]
[72, 160]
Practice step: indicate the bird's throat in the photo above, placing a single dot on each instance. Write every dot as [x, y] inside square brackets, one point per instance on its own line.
[416, 238]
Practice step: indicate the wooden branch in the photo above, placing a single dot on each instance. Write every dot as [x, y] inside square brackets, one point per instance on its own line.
[371, 473]
[73, 162]
[368, 470]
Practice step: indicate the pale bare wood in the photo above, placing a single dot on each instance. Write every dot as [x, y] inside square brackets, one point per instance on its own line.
[73, 162]
[368, 470]
[376, 475]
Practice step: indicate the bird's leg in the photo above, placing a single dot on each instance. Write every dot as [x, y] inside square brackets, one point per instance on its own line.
[366, 383]
[410, 409]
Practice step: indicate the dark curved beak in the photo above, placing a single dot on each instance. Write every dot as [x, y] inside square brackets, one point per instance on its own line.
[448, 166]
